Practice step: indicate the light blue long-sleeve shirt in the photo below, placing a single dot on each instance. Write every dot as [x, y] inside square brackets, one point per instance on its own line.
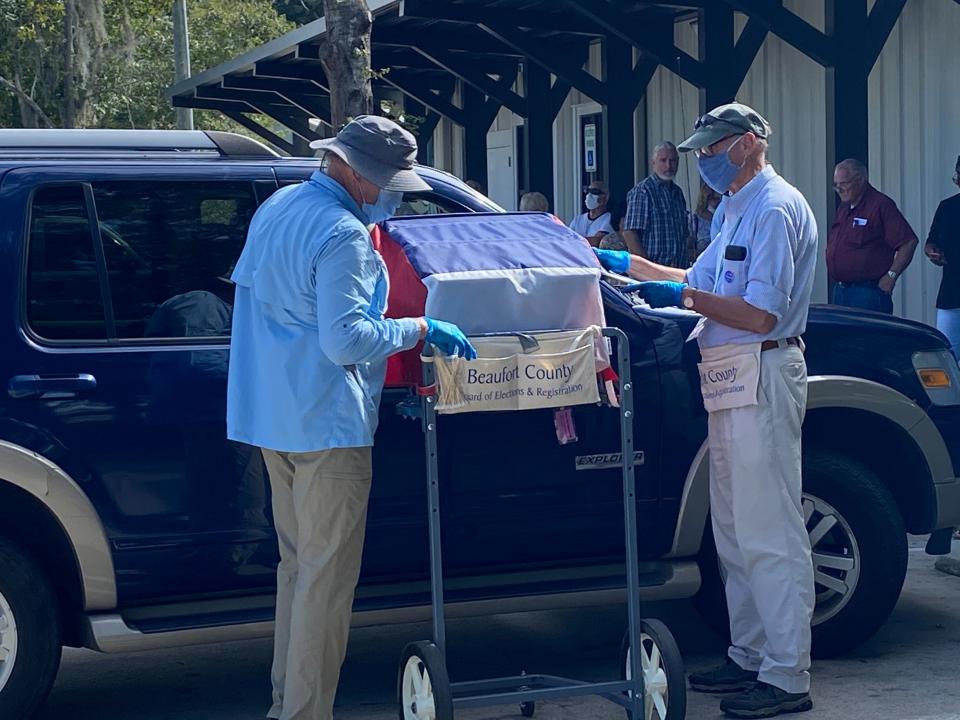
[773, 222]
[309, 344]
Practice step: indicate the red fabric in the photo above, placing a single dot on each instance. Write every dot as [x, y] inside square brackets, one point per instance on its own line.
[407, 298]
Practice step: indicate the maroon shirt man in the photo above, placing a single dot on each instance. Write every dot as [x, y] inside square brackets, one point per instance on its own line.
[870, 243]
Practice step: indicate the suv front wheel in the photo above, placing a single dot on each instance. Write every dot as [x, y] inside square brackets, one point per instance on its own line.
[29, 633]
[859, 554]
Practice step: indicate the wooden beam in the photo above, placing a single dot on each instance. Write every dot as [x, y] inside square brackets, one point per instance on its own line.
[654, 44]
[427, 97]
[789, 27]
[476, 78]
[316, 105]
[476, 14]
[199, 103]
[464, 41]
[255, 127]
[284, 114]
[748, 45]
[549, 59]
[300, 71]
[883, 18]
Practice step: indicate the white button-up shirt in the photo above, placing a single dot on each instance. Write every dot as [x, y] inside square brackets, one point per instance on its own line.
[772, 221]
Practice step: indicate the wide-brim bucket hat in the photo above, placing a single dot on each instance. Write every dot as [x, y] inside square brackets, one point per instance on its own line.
[379, 150]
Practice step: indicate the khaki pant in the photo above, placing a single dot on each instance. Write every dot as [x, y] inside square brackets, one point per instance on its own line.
[320, 512]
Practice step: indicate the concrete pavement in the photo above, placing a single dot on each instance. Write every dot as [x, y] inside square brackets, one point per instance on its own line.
[909, 670]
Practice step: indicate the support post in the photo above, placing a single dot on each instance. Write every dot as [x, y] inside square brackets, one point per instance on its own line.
[716, 53]
[475, 135]
[847, 84]
[618, 138]
[538, 130]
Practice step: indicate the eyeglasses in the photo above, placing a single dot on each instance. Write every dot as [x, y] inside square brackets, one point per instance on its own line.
[594, 191]
[843, 184]
[708, 150]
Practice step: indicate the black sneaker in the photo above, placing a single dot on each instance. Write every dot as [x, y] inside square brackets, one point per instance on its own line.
[763, 701]
[728, 677]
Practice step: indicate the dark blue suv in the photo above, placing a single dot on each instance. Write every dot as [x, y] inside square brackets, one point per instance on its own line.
[128, 521]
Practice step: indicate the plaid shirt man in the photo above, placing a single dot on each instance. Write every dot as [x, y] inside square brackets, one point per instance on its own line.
[657, 212]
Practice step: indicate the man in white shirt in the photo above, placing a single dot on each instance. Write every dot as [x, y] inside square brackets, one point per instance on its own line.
[752, 285]
[594, 224]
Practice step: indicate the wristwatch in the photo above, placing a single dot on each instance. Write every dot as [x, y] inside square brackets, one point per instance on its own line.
[688, 299]
[893, 274]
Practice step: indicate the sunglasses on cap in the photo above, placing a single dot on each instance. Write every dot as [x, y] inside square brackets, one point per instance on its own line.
[705, 121]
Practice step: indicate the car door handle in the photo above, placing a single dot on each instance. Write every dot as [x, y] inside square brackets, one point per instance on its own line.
[50, 386]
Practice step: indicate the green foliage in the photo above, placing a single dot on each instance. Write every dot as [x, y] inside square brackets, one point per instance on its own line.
[300, 12]
[130, 91]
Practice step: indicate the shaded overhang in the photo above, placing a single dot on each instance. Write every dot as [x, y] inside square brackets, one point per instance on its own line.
[421, 49]
[461, 59]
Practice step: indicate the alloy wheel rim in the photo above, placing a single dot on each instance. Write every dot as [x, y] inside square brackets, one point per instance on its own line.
[8, 641]
[656, 690]
[836, 557]
[417, 689]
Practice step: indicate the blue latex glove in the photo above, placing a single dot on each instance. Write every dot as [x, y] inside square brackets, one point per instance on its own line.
[661, 293]
[617, 261]
[449, 339]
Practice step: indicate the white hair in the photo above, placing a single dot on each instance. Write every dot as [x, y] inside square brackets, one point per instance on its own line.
[664, 145]
[534, 202]
[854, 167]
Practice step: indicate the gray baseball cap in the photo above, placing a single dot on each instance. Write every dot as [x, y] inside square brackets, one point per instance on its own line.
[723, 121]
[379, 150]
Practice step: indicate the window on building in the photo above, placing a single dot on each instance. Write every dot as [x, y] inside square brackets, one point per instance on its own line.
[169, 250]
[64, 301]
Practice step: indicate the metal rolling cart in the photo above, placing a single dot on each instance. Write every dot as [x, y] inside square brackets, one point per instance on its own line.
[424, 690]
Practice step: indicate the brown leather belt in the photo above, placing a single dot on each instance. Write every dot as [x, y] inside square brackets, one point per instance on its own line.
[774, 344]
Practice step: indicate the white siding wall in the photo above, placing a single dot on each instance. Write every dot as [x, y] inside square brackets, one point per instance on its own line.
[914, 127]
[787, 88]
[915, 131]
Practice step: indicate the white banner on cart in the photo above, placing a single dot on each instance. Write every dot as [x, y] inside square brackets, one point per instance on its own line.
[510, 373]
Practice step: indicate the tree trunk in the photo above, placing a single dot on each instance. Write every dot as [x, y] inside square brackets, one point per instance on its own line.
[31, 114]
[85, 48]
[90, 53]
[69, 95]
[345, 56]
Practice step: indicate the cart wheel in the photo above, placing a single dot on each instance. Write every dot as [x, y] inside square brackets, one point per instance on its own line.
[527, 709]
[423, 687]
[664, 680]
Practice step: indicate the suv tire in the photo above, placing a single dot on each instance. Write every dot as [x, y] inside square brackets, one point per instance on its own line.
[29, 633]
[865, 534]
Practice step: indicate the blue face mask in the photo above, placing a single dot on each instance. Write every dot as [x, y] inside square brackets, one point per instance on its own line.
[717, 171]
[385, 207]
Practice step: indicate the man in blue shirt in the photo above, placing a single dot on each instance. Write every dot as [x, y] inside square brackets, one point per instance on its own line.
[655, 224]
[307, 365]
[752, 285]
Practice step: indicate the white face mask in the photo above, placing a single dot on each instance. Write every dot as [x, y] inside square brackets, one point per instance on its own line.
[592, 201]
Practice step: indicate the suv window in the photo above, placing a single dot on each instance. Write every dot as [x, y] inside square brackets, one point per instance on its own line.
[427, 204]
[63, 287]
[169, 247]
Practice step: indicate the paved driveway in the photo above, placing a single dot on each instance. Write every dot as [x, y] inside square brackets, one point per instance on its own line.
[908, 671]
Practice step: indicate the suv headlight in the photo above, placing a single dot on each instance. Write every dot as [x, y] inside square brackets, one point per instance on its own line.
[940, 376]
